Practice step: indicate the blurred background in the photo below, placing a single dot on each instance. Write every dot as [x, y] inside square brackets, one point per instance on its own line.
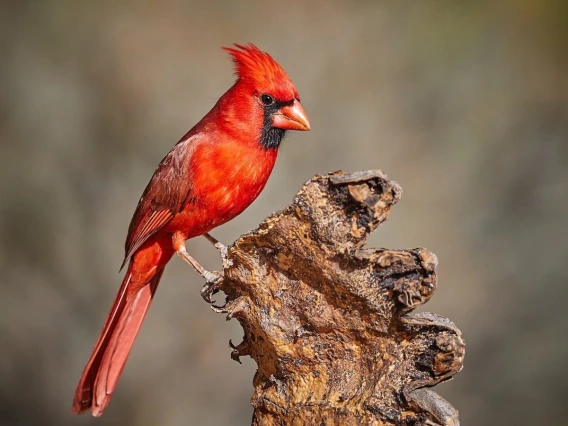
[465, 104]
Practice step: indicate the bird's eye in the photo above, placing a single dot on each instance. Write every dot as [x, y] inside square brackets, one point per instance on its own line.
[266, 100]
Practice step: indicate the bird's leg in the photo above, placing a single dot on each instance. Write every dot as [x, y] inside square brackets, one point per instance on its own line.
[208, 275]
[212, 279]
[218, 245]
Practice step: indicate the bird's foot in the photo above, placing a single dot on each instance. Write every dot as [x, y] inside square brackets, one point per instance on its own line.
[222, 248]
[212, 282]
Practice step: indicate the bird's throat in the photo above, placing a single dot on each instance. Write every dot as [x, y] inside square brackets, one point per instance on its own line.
[271, 137]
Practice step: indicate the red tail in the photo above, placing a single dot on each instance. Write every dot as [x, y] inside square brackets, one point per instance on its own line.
[113, 346]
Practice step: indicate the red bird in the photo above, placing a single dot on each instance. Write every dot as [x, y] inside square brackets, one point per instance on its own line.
[210, 176]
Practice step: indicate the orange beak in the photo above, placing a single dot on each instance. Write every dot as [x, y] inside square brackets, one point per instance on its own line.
[291, 117]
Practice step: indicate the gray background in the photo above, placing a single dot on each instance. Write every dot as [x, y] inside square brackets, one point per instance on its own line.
[463, 103]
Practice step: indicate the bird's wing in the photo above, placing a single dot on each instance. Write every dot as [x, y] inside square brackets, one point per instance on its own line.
[167, 193]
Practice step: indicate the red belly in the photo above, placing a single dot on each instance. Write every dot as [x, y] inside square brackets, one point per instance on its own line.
[226, 182]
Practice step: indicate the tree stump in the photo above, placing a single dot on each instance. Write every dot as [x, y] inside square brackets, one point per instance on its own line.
[328, 321]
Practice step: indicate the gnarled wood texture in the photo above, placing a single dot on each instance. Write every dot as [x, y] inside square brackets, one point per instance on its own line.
[328, 321]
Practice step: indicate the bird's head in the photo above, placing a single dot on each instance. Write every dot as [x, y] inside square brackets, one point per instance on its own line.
[271, 91]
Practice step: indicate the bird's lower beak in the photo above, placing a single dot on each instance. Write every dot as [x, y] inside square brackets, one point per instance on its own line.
[291, 117]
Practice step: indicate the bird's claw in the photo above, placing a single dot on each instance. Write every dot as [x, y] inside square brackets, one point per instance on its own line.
[212, 282]
[223, 250]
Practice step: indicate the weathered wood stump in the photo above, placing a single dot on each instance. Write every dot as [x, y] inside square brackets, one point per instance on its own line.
[328, 321]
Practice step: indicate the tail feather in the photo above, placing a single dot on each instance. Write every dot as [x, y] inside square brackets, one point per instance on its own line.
[113, 346]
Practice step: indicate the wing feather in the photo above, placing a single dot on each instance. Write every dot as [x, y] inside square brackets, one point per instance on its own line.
[168, 192]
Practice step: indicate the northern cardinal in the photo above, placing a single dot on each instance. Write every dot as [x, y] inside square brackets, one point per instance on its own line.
[210, 176]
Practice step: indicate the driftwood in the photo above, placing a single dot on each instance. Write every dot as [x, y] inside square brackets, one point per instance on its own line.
[328, 321]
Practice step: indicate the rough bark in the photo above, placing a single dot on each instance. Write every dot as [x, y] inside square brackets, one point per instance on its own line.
[328, 321]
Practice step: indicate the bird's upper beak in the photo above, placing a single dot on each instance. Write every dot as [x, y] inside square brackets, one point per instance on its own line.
[291, 117]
